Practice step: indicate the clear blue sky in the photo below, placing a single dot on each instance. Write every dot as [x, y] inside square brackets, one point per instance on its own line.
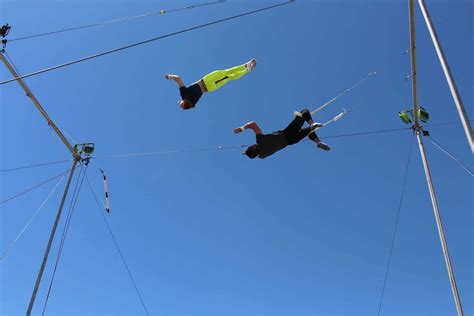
[304, 232]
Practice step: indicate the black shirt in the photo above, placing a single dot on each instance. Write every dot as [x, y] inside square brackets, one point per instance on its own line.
[192, 93]
[268, 144]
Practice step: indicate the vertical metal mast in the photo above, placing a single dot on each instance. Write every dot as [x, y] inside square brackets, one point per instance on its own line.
[418, 129]
[77, 157]
[50, 241]
[447, 72]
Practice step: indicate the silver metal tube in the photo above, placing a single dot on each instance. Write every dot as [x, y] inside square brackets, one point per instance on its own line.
[425, 162]
[39, 107]
[414, 87]
[449, 78]
[442, 238]
[51, 238]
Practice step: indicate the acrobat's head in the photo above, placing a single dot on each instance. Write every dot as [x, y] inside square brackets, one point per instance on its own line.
[185, 104]
[252, 151]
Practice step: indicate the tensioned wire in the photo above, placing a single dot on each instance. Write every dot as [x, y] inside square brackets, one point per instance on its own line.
[389, 261]
[447, 153]
[115, 21]
[25, 227]
[75, 196]
[217, 148]
[99, 207]
[143, 42]
[34, 187]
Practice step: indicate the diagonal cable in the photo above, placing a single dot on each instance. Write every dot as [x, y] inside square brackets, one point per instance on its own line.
[12, 244]
[34, 166]
[114, 21]
[33, 187]
[396, 224]
[117, 246]
[459, 162]
[144, 42]
[72, 206]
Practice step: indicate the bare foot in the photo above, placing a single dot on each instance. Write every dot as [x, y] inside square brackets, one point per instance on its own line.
[251, 64]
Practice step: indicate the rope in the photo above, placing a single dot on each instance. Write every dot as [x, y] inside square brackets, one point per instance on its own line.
[396, 224]
[12, 244]
[154, 153]
[34, 187]
[169, 152]
[72, 206]
[35, 166]
[114, 21]
[218, 148]
[452, 157]
[342, 93]
[143, 42]
[370, 132]
[94, 193]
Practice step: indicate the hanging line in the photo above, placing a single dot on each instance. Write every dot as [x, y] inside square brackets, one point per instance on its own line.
[106, 191]
[34, 187]
[12, 244]
[143, 42]
[451, 156]
[94, 193]
[116, 20]
[396, 223]
[334, 119]
[75, 196]
[343, 92]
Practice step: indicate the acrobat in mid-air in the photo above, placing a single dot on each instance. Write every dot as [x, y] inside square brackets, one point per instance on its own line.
[268, 144]
[190, 95]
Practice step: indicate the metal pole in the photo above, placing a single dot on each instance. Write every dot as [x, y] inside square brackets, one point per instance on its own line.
[51, 238]
[39, 107]
[442, 238]
[418, 129]
[413, 62]
[447, 72]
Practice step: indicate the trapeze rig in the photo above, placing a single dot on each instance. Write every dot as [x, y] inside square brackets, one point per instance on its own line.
[419, 113]
[81, 153]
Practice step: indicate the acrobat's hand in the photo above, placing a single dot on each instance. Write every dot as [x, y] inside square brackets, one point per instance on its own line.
[238, 130]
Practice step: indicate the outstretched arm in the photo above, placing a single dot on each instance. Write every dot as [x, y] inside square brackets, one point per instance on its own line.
[175, 78]
[250, 125]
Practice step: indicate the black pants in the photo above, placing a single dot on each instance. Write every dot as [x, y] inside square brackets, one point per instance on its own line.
[294, 131]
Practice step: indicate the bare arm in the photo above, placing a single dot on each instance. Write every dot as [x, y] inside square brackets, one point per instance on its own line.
[250, 125]
[175, 78]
